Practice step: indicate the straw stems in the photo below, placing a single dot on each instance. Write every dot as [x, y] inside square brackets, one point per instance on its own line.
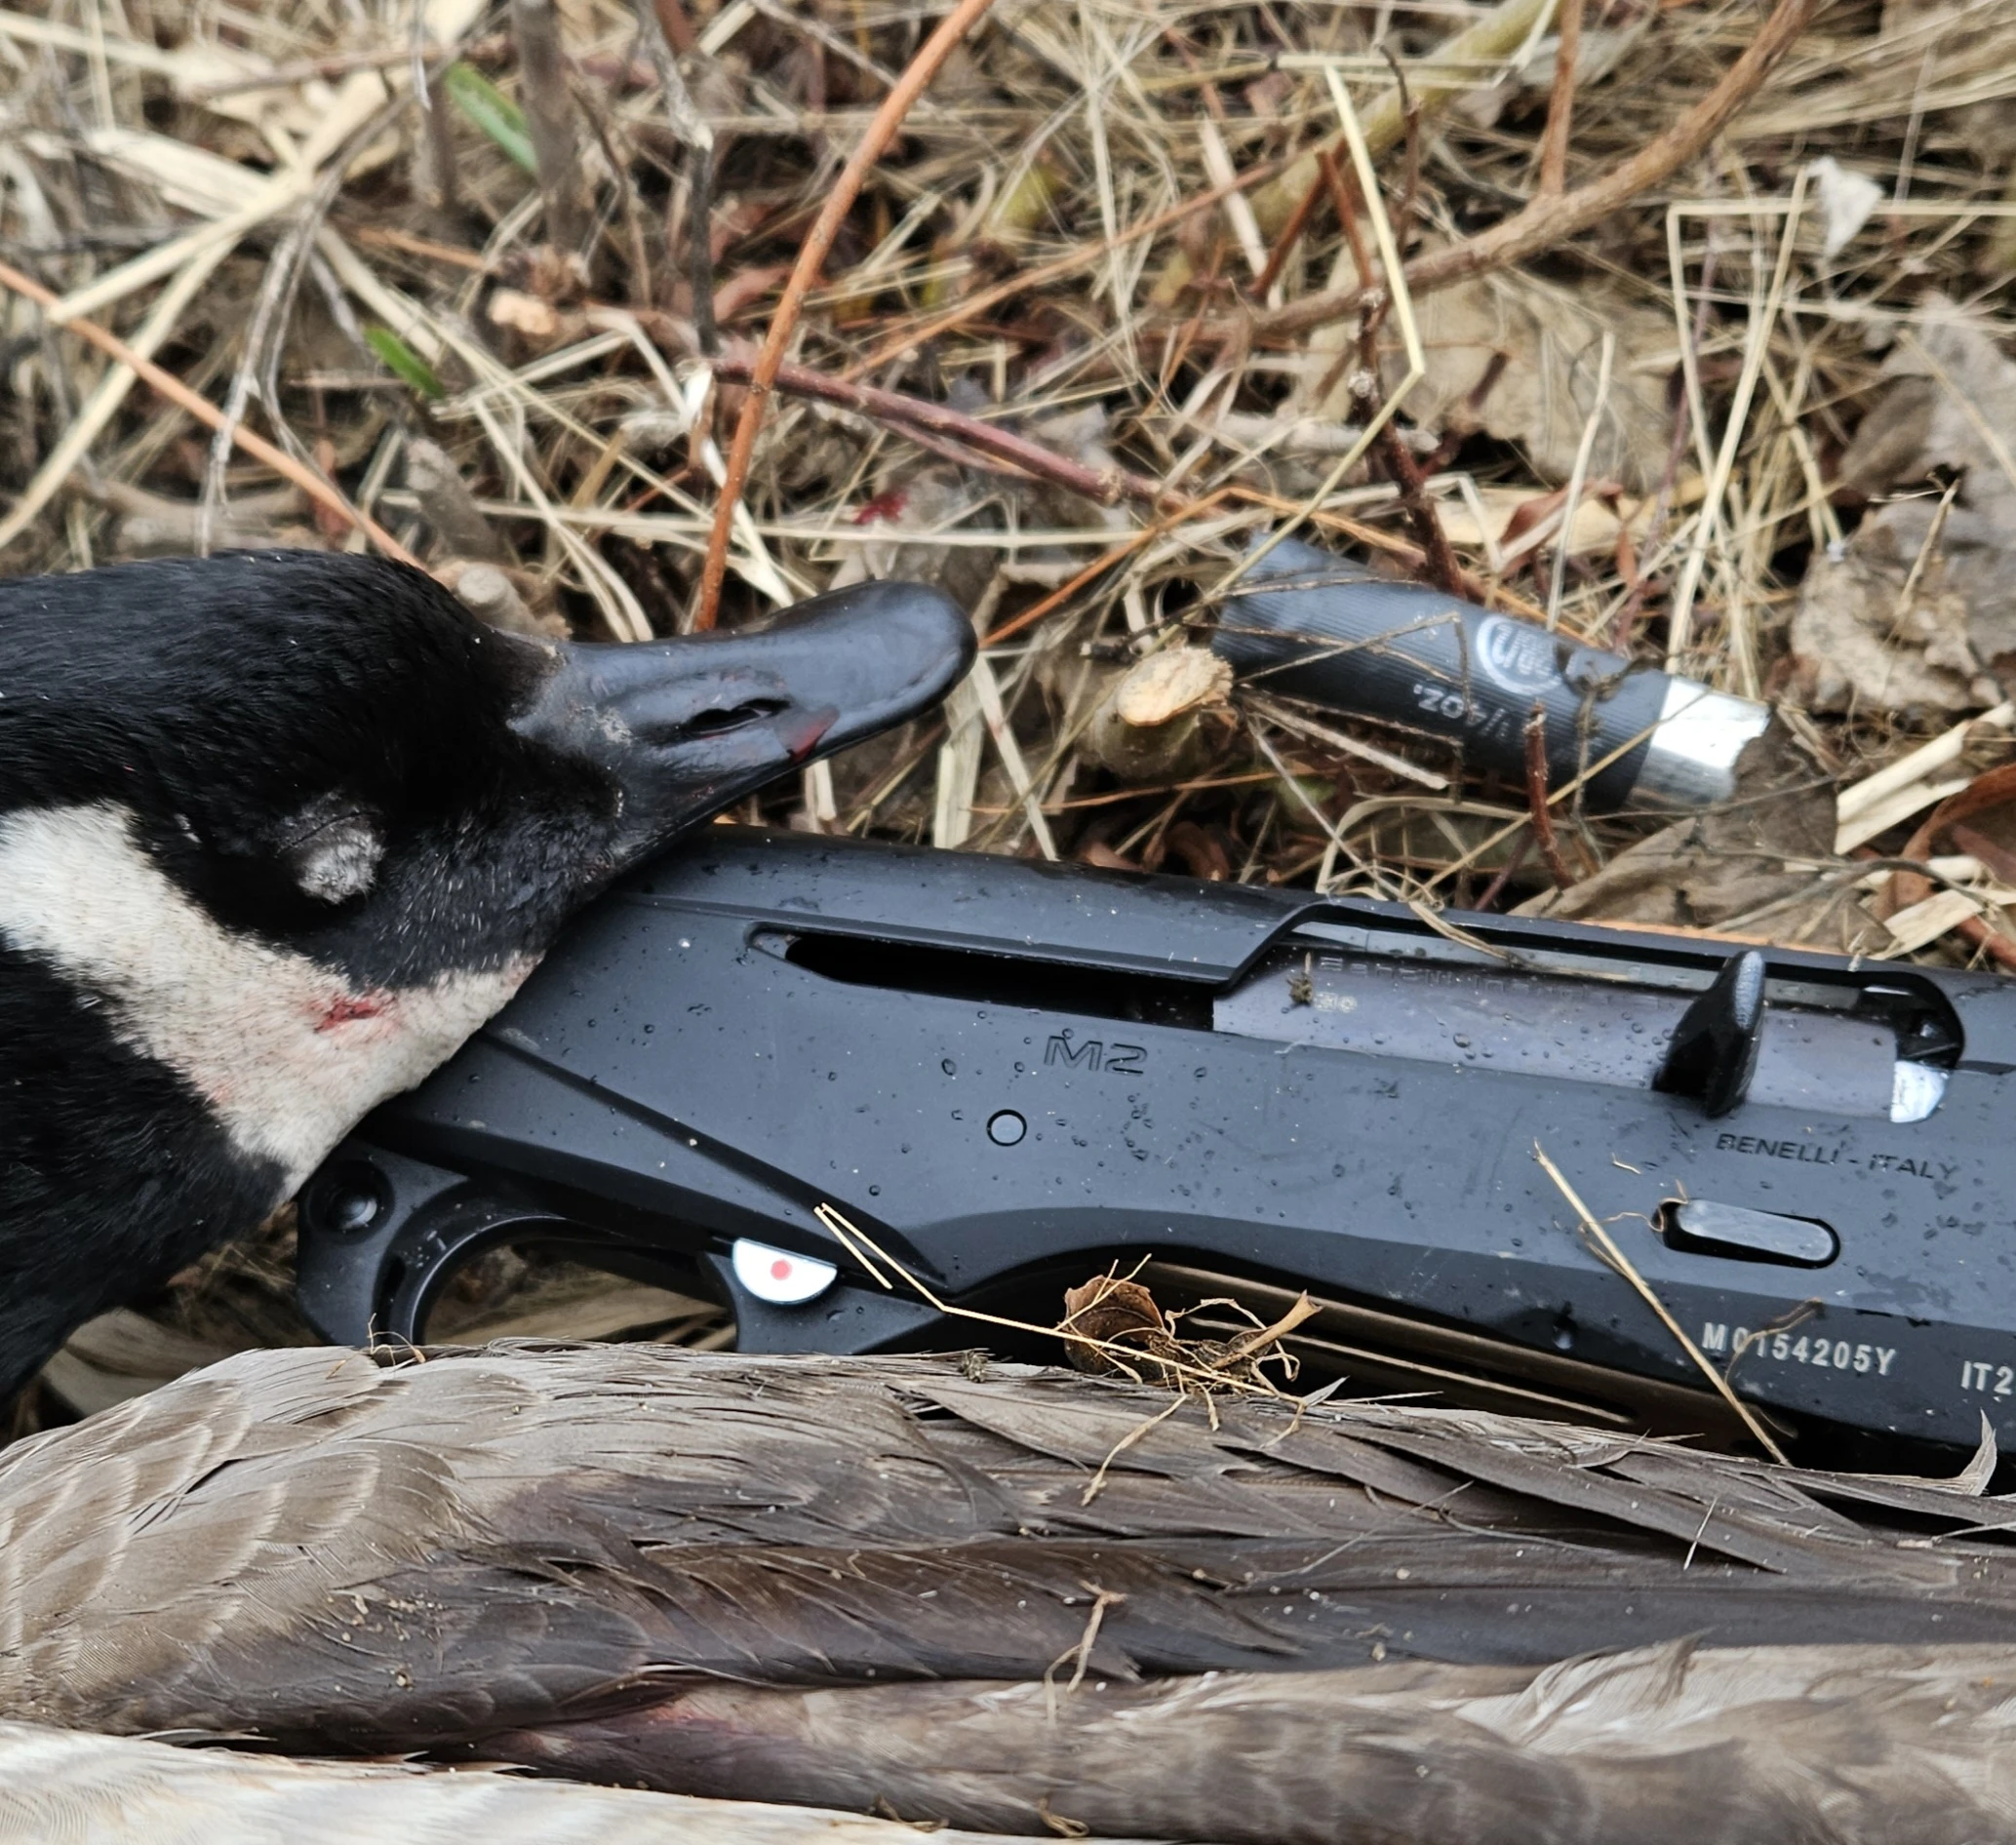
[1606, 1247]
[1552, 217]
[811, 257]
[167, 384]
[1086, 256]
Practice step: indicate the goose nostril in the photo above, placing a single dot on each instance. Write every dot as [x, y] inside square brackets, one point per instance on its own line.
[733, 718]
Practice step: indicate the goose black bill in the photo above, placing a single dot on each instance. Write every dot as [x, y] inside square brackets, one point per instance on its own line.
[689, 725]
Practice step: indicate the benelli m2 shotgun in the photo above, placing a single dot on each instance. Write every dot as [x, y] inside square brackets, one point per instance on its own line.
[1011, 1074]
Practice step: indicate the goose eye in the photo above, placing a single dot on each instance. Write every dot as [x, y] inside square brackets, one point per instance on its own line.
[337, 860]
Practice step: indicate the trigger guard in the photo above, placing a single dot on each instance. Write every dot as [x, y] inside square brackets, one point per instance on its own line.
[379, 1232]
[434, 1246]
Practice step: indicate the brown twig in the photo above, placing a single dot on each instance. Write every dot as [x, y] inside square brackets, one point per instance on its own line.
[1437, 556]
[168, 385]
[1344, 198]
[1998, 948]
[677, 27]
[1549, 220]
[1560, 100]
[1290, 236]
[385, 237]
[549, 118]
[1536, 802]
[811, 257]
[1104, 562]
[1495, 889]
[1107, 486]
[1411, 174]
[1342, 192]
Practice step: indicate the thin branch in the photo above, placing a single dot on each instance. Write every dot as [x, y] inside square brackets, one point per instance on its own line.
[1560, 100]
[1550, 220]
[1536, 801]
[1997, 947]
[1437, 556]
[1107, 486]
[1410, 128]
[811, 257]
[1290, 236]
[1342, 190]
[1493, 891]
[168, 385]
[549, 116]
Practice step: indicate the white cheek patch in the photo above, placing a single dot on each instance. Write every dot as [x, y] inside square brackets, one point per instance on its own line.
[288, 1053]
[338, 861]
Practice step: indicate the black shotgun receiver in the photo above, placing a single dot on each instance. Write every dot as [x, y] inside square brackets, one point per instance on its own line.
[1011, 1074]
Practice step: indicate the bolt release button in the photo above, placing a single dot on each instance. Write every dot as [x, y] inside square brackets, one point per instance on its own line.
[1704, 1227]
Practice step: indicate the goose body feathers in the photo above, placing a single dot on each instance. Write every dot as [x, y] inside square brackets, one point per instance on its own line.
[850, 1580]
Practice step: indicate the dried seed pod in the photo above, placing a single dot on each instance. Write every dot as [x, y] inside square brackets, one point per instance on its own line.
[1116, 1312]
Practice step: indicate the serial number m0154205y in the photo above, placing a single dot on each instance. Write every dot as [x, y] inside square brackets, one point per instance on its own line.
[1814, 1349]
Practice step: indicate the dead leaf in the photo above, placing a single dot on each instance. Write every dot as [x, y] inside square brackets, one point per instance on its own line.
[1716, 869]
[1950, 409]
[1517, 358]
[1860, 642]
[1116, 1312]
[1125, 1314]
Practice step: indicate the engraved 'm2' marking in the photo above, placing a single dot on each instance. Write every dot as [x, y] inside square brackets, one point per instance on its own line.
[1094, 1054]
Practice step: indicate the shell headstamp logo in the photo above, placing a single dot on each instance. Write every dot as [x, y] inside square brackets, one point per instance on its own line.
[1515, 657]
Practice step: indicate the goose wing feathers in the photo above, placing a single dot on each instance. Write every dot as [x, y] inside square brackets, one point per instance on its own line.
[315, 1547]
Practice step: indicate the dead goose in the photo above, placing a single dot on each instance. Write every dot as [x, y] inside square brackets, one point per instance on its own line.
[750, 1576]
[278, 830]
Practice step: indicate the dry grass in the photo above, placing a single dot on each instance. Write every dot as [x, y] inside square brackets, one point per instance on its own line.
[1036, 363]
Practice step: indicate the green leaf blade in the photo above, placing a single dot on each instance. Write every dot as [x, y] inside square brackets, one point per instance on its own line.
[484, 106]
[406, 363]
